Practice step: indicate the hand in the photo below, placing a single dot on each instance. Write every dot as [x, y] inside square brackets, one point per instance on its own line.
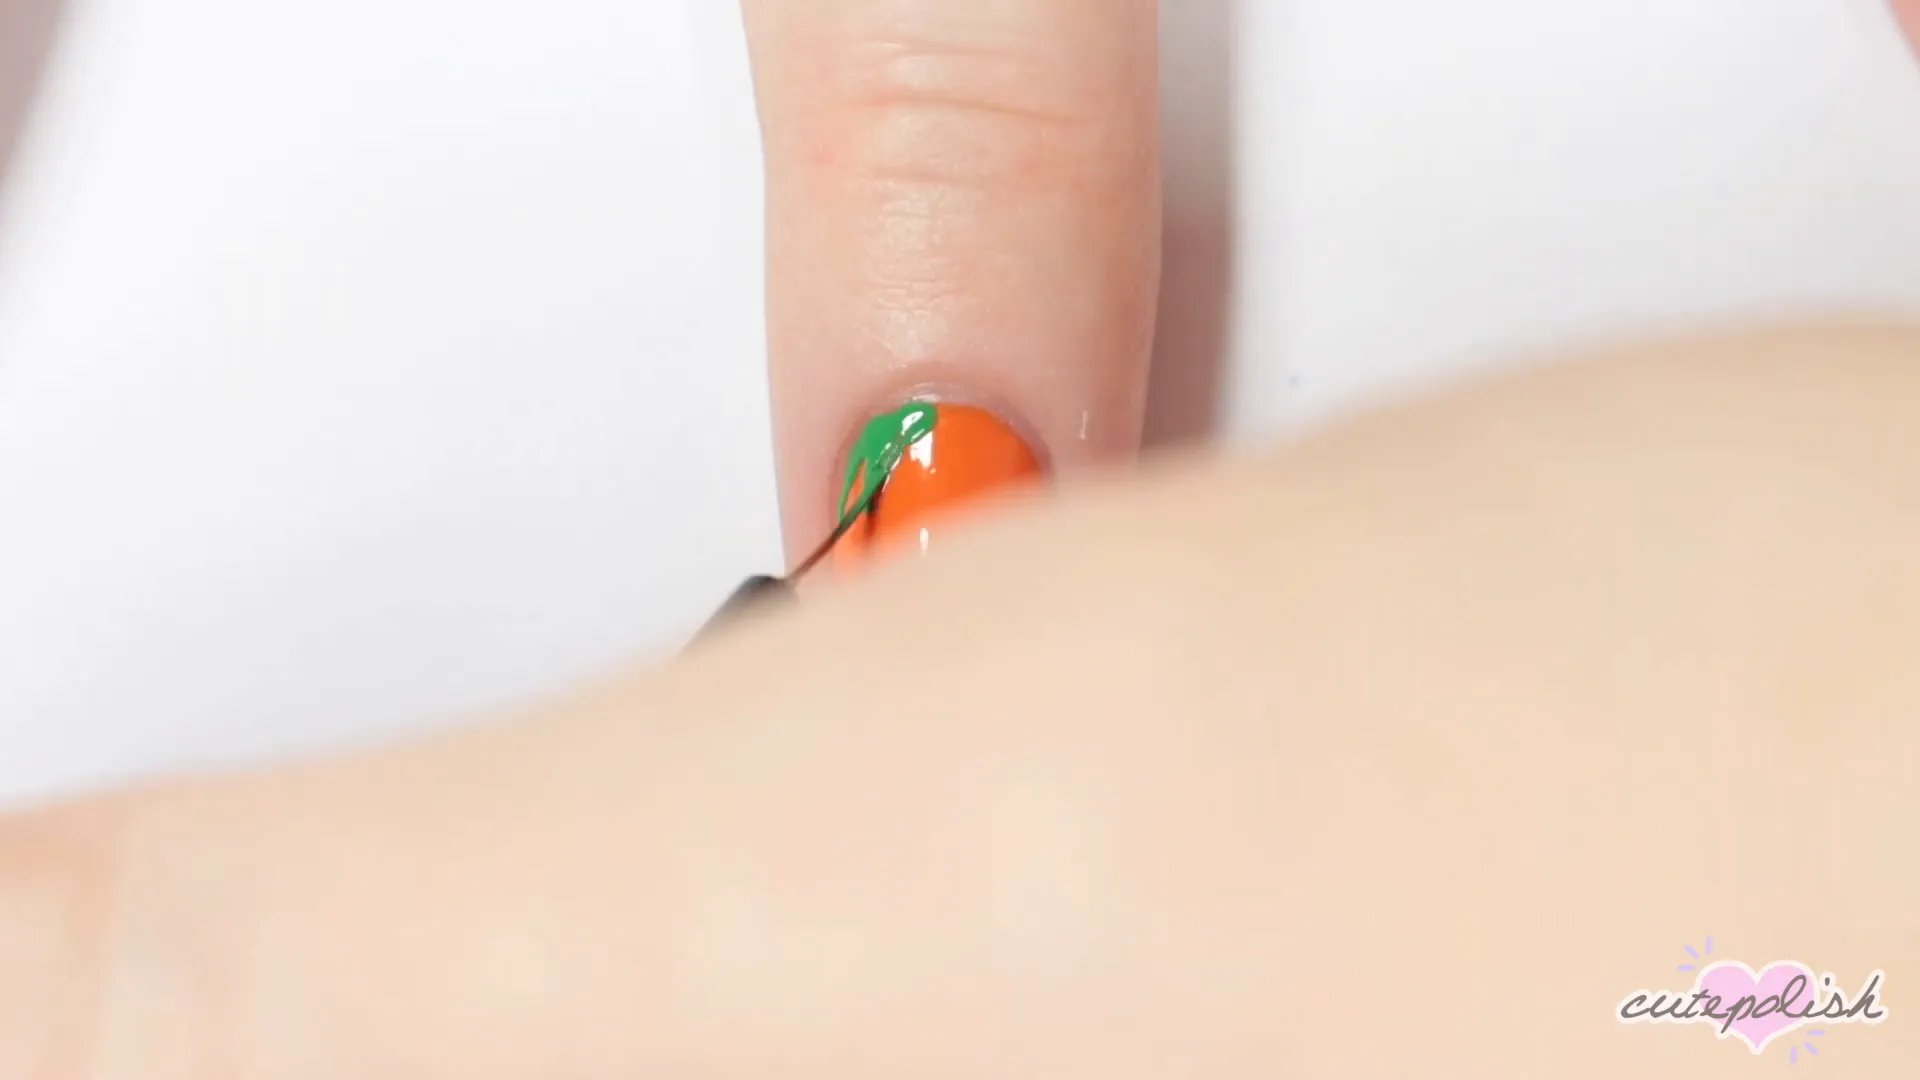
[1395, 755]
[1408, 753]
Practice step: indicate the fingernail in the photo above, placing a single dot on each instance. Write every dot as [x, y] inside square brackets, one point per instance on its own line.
[957, 457]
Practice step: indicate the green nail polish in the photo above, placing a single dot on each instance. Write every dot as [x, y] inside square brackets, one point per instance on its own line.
[882, 443]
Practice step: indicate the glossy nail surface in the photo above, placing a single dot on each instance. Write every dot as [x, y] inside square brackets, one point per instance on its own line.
[969, 453]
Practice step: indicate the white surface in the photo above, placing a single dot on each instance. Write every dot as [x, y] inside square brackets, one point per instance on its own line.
[369, 361]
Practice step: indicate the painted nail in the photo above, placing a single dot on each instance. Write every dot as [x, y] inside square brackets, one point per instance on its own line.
[934, 461]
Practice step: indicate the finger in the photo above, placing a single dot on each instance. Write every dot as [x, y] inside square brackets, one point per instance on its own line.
[1218, 816]
[963, 204]
[1908, 12]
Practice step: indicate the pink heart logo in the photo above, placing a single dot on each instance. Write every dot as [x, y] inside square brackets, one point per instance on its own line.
[1764, 1006]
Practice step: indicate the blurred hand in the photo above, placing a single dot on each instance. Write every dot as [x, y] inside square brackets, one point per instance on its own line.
[1407, 753]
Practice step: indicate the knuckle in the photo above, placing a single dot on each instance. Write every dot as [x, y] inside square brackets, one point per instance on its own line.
[976, 117]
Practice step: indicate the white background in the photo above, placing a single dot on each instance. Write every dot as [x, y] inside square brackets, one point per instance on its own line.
[366, 362]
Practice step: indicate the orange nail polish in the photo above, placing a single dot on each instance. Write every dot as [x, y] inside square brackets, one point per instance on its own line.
[968, 454]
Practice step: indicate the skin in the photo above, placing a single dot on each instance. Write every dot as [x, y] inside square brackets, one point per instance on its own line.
[961, 196]
[1408, 751]
[1478, 712]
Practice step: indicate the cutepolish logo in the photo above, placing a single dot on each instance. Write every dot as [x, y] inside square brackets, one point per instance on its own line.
[1785, 1001]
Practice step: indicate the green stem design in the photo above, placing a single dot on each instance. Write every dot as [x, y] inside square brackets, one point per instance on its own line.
[882, 443]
